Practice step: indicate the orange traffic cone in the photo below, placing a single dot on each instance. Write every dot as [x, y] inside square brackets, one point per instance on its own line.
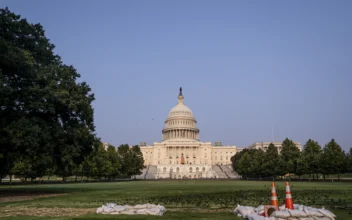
[274, 200]
[289, 202]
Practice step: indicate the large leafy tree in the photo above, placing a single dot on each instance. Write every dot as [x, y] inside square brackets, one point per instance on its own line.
[131, 159]
[244, 168]
[45, 115]
[333, 159]
[236, 159]
[302, 167]
[138, 161]
[272, 162]
[311, 157]
[349, 160]
[289, 155]
[114, 160]
[258, 162]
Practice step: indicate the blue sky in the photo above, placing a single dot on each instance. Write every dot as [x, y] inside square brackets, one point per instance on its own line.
[245, 66]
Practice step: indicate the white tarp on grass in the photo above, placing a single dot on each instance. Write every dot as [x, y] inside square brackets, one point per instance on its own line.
[146, 209]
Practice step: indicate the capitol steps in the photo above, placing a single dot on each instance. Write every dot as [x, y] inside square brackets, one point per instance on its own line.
[144, 173]
[227, 169]
[151, 172]
[220, 174]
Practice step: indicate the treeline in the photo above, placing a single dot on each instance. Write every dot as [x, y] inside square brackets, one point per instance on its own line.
[46, 115]
[101, 163]
[312, 161]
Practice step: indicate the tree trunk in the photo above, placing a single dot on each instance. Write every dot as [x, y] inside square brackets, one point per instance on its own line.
[48, 177]
[0, 179]
[10, 179]
[76, 178]
[338, 176]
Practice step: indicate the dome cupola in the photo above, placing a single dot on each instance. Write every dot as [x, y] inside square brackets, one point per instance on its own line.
[180, 123]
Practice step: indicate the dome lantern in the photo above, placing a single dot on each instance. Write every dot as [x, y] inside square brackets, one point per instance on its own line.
[180, 123]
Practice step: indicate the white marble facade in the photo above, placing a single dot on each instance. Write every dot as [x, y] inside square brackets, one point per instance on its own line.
[181, 154]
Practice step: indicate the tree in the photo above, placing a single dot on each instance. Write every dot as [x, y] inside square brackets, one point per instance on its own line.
[45, 114]
[138, 161]
[258, 161]
[114, 159]
[349, 160]
[272, 162]
[244, 168]
[333, 160]
[302, 166]
[97, 165]
[289, 155]
[125, 158]
[311, 157]
[131, 160]
[236, 159]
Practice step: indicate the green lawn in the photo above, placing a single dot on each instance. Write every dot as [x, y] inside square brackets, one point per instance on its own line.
[183, 199]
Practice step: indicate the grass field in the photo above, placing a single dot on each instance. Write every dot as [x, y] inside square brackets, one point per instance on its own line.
[183, 199]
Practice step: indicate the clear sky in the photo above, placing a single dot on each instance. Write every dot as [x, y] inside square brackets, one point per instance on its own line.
[244, 66]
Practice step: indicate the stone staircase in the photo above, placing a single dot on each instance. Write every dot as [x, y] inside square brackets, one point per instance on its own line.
[144, 173]
[220, 174]
[227, 169]
[151, 172]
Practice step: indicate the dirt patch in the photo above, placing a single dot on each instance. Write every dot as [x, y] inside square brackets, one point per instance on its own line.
[56, 212]
[26, 211]
[15, 198]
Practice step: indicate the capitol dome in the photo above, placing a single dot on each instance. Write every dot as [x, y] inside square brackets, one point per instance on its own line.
[180, 123]
[180, 110]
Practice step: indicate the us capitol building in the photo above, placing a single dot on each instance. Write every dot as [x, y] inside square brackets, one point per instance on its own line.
[181, 154]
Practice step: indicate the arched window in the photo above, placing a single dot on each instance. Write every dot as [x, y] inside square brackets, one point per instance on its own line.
[203, 169]
[171, 169]
[190, 169]
[197, 169]
[177, 169]
[164, 169]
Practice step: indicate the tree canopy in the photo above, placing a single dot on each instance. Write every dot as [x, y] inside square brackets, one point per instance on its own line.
[290, 160]
[46, 115]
